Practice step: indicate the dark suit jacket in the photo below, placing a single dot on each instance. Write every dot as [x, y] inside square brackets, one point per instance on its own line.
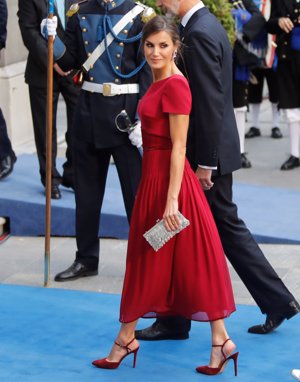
[31, 13]
[213, 138]
[3, 22]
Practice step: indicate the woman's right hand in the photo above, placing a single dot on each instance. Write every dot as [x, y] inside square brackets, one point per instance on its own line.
[170, 216]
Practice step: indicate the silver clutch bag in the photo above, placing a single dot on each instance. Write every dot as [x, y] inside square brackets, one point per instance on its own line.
[157, 236]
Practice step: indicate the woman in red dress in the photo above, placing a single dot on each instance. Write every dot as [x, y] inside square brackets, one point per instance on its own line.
[188, 276]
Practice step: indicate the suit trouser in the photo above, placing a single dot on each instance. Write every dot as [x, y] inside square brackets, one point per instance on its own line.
[5, 144]
[91, 168]
[263, 283]
[38, 102]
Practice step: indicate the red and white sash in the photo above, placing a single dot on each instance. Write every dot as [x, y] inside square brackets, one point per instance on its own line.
[265, 8]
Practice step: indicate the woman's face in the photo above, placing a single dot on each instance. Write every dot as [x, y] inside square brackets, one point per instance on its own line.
[159, 50]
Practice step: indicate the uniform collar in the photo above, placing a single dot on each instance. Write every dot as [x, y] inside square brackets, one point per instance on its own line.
[110, 4]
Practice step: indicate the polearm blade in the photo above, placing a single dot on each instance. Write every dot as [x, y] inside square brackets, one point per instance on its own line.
[49, 151]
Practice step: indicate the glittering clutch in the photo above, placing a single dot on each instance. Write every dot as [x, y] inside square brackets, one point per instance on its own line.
[158, 235]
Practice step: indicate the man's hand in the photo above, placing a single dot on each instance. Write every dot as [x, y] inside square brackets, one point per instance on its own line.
[48, 27]
[204, 176]
[136, 135]
[285, 24]
[58, 69]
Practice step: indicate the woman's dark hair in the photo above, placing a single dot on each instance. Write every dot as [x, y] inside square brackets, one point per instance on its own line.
[161, 24]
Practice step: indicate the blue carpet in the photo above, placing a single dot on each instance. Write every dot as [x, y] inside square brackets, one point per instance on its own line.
[22, 199]
[49, 335]
[271, 214]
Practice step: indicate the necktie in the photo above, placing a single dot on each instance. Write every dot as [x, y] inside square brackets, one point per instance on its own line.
[60, 6]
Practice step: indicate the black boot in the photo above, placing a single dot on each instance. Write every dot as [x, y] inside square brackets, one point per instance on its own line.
[291, 163]
[276, 133]
[253, 132]
[245, 161]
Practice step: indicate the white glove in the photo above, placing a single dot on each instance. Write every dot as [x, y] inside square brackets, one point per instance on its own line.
[135, 135]
[48, 27]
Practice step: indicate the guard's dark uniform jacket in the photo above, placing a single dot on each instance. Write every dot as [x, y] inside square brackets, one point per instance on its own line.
[243, 59]
[95, 121]
[288, 55]
[283, 8]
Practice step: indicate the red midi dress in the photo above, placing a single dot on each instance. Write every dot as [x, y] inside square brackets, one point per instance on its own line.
[188, 276]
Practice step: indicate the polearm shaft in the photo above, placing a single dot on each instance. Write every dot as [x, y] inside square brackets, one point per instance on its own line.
[49, 151]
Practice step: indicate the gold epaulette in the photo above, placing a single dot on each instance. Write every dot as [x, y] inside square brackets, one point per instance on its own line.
[148, 12]
[74, 8]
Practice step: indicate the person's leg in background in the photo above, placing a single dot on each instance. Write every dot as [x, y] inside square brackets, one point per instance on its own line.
[240, 117]
[255, 91]
[293, 122]
[272, 81]
[38, 101]
[7, 155]
[240, 101]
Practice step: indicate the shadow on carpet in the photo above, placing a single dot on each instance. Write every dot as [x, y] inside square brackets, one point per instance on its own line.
[52, 335]
[271, 214]
[22, 199]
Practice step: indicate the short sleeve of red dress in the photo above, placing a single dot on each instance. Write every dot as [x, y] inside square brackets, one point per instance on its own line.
[176, 97]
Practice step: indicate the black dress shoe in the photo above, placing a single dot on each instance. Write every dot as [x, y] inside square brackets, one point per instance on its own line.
[245, 161]
[67, 182]
[75, 271]
[55, 192]
[7, 165]
[291, 163]
[253, 132]
[272, 322]
[157, 332]
[276, 133]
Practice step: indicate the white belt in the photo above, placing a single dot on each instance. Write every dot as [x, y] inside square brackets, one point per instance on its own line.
[110, 89]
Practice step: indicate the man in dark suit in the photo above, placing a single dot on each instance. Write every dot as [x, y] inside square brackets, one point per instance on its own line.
[31, 13]
[115, 77]
[213, 151]
[7, 155]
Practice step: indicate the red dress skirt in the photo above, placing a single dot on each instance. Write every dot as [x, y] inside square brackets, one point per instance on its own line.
[188, 276]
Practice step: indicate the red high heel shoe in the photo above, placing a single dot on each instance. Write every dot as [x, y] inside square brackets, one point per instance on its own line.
[105, 364]
[218, 370]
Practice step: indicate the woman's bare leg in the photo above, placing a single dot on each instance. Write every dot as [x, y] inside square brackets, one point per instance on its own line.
[126, 334]
[219, 335]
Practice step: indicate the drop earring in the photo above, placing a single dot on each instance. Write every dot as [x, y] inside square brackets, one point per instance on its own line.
[174, 54]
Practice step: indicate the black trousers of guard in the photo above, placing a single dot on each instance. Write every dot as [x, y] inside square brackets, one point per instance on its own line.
[263, 283]
[91, 168]
[38, 101]
[255, 91]
[5, 144]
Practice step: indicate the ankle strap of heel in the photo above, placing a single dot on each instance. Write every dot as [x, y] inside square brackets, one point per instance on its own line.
[125, 347]
[222, 346]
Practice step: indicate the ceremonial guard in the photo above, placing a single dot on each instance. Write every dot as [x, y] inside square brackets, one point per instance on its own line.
[249, 48]
[103, 44]
[268, 71]
[30, 14]
[284, 22]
